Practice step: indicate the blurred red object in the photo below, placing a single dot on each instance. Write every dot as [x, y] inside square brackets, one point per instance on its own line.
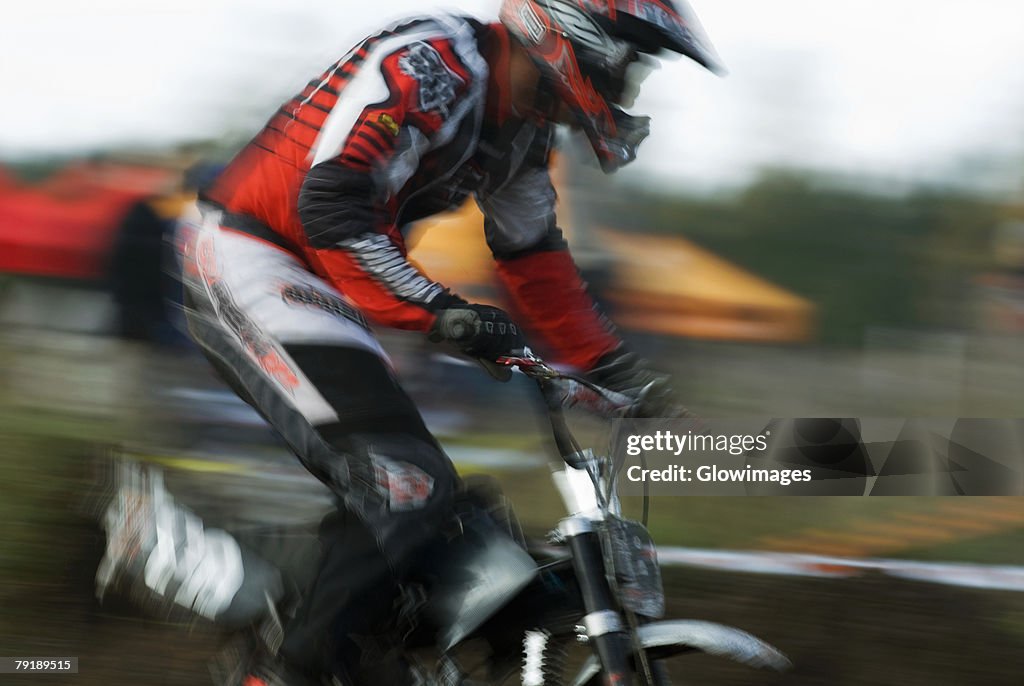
[65, 226]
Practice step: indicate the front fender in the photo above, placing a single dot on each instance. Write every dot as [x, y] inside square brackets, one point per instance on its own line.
[667, 638]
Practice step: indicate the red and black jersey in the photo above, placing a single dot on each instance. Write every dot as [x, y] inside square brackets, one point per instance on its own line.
[410, 123]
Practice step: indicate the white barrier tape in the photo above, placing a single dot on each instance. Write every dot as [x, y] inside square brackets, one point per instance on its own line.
[995, 577]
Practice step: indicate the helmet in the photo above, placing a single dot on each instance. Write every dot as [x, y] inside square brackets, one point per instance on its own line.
[584, 47]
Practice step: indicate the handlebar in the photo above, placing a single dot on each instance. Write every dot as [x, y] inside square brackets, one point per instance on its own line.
[561, 390]
[564, 390]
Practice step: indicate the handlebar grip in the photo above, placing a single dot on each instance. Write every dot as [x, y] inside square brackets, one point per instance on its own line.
[459, 326]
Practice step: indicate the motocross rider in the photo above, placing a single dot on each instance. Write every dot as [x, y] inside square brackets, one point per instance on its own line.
[302, 245]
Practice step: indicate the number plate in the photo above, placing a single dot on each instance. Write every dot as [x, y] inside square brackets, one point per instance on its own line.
[636, 568]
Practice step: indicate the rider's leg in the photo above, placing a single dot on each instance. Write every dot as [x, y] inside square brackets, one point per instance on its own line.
[293, 348]
[353, 590]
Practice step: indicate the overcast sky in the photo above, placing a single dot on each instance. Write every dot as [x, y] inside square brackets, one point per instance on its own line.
[902, 89]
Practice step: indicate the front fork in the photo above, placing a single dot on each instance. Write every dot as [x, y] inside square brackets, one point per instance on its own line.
[603, 624]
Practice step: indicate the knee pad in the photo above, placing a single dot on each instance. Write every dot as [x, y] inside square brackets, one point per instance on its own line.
[401, 486]
[403, 472]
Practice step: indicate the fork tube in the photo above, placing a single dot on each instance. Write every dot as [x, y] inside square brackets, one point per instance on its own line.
[603, 621]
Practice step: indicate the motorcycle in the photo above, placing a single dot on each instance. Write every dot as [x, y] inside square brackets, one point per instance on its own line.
[595, 582]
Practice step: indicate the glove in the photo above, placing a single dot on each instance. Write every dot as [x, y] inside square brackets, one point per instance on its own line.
[629, 374]
[480, 331]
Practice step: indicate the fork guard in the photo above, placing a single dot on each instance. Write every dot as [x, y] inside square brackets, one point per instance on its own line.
[667, 638]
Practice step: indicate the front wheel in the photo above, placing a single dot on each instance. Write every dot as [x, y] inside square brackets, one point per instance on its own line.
[547, 659]
[664, 639]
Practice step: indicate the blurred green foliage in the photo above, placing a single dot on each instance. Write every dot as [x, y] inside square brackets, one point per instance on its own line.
[35, 169]
[866, 256]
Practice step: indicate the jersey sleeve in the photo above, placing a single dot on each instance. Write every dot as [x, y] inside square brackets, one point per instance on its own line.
[389, 115]
[535, 266]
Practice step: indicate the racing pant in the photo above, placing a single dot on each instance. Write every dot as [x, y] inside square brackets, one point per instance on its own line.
[293, 348]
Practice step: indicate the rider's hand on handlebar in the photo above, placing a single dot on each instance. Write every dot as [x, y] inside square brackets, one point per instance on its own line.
[631, 375]
[481, 331]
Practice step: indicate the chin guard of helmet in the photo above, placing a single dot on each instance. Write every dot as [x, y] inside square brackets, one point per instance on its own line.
[618, 149]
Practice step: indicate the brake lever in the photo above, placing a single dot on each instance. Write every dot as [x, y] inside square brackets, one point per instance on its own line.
[497, 370]
[530, 365]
